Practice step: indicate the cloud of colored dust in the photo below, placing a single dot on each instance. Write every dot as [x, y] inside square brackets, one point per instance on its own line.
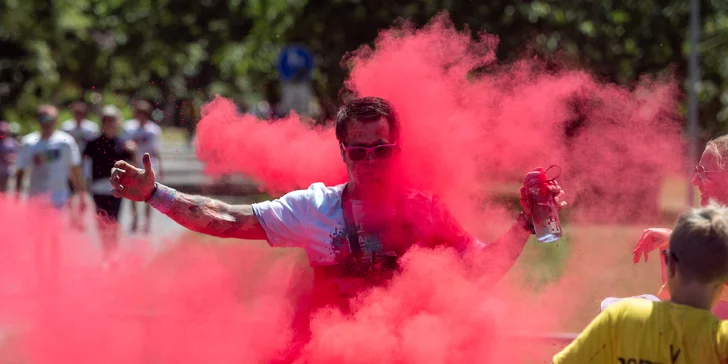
[469, 125]
[464, 134]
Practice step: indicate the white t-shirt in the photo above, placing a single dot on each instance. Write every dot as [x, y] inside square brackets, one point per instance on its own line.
[83, 134]
[50, 162]
[147, 139]
[313, 219]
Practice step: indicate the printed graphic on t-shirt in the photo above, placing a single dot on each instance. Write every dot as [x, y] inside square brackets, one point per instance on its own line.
[386, 232]
[46, 156]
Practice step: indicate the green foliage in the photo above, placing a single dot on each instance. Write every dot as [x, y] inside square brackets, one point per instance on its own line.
[61, 50]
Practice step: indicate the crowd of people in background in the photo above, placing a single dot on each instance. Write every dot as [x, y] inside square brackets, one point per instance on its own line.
[66, 161]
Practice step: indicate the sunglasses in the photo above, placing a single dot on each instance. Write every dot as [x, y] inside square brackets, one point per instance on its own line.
[703, 174]
[357, 154]
[46, 118]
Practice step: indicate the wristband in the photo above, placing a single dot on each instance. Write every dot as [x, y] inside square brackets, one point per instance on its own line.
[526, 223]
[163, 198]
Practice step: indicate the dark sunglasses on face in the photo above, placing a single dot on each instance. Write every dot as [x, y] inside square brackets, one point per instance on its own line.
[356, 154]
[46, 118]
[702, 173]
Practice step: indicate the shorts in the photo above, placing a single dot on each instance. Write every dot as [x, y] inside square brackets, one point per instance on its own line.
[107, 207]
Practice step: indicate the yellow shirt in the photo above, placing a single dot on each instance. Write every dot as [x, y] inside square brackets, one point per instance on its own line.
[640, 331]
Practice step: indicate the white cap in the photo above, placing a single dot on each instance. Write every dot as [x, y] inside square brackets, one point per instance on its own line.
[110, 111]
[611, 300]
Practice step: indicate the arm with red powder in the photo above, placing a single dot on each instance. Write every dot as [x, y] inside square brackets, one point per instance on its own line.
[496, 258]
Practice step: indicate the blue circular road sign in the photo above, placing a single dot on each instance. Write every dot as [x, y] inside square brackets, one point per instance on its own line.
[295, 63]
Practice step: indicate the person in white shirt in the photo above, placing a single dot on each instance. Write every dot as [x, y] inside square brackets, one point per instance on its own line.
[146, 135]
[53, 158]
[354, 233]
[83, 131]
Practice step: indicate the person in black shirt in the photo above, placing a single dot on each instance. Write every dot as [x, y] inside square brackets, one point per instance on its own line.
[103, 152]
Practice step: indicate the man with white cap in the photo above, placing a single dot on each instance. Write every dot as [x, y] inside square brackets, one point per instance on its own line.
[103, 152]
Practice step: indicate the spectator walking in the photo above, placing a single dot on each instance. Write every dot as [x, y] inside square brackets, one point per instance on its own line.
[82, 130]
[147, 136]
[103, 152]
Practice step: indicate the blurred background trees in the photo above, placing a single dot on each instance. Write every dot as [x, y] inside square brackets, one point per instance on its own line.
[60, 50]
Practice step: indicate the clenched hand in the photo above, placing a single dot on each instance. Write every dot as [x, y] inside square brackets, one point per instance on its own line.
[131, 182]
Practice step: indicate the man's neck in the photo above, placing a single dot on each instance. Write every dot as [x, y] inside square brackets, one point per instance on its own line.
[355, 191]
[79, 122]
[693, 295]
[46, 134]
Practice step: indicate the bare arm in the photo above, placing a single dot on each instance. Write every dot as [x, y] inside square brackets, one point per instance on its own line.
[216, 218]
[499, 256]
[197, 213]
[77, 179]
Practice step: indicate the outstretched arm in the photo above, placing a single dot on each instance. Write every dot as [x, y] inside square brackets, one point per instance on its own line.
[197, 213]
[212, 217]
[496, 258]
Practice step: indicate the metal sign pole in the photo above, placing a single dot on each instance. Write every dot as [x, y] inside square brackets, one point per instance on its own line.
[694, 76]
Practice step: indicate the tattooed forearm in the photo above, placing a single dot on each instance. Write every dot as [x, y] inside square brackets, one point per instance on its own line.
[216, 218]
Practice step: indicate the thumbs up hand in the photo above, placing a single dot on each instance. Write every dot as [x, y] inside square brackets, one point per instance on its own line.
[131, 182]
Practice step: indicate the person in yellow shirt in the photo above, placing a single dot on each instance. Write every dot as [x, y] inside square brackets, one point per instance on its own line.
[682, 330]
[711, 179]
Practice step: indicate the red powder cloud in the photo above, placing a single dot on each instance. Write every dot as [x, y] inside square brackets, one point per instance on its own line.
[462, 135]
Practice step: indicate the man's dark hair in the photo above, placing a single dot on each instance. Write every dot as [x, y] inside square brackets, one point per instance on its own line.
[367, 109]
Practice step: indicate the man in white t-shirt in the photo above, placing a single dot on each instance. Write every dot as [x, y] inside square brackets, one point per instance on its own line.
[53, 159]
[354, 233]
[146, 135]
[83, 131]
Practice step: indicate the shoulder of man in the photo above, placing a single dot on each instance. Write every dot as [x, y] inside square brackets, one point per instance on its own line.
[153, 127]
[321, 196]
[90, 126]
[63, 136]
[30, 138]
[68, 125]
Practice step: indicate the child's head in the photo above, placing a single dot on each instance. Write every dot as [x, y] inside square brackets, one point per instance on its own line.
[698, 254]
